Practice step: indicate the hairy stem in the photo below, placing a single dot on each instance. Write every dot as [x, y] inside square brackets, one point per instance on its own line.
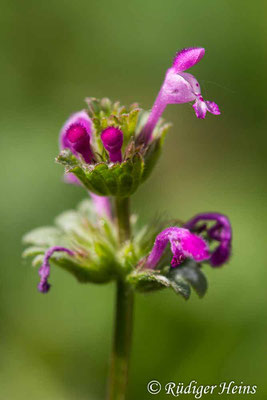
[123, 317]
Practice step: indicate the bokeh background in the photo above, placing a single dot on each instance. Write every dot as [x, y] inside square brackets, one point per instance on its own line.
[54, 53]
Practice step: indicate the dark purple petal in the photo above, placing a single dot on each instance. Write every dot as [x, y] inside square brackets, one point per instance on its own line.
[184, 244]
[44, 270]
[221, 254]
[112, 139]
[221, 231]
[186, 58]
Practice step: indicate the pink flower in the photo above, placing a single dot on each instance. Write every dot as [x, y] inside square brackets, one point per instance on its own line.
[184, 244]
[179, 87]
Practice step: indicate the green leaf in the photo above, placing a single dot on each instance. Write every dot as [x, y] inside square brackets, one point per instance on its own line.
[45, 236]
[33, 251]
[192, 274]
[92, 273]
[147, 281]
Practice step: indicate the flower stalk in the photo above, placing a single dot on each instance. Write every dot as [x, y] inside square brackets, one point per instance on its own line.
[119, 366]
[122, 340]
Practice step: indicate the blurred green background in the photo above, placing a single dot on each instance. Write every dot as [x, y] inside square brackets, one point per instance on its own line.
[53, 55]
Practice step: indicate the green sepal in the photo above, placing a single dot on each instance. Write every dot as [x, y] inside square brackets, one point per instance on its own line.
[148, 281]
[44, 236]
[119, 179]
[94, 245]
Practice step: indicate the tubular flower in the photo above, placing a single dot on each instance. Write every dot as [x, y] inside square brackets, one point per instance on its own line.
[184, 244]
[179, 87]
[44, 270]
[112, 139]
[221, 232]
[75, 135]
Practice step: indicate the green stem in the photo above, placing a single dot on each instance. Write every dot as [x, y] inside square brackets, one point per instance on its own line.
[123, 317]
[122, 208]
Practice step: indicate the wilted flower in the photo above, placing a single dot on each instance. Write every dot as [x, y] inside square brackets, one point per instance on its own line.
[221, 232]
[44, 270]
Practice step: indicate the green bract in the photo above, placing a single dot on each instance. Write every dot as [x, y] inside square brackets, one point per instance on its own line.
[119, 179]
[100, 258]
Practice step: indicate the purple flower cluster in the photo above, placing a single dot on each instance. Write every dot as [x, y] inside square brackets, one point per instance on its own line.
[193, 240]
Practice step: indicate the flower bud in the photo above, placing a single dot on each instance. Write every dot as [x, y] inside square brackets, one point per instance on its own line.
[79, 140]
[112, 139]
[75, 135]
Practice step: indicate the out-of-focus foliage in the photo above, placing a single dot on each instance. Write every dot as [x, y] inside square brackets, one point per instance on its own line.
[53, 55]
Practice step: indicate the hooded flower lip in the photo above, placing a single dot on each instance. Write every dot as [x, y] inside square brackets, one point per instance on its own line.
[75, 135]
[44, 270]
[179, 87]
[221, 231]
[79, 140]
[186, 58]
[184, 244]
[112, 139]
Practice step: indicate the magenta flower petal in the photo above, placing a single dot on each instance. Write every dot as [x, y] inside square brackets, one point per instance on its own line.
[184, 244]
[102, 205]
[75, 135]
[213, 108]
[186, 58]
[221, 231]
[112, 139]
[201, 107]
[44, 270]
[79, 140]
